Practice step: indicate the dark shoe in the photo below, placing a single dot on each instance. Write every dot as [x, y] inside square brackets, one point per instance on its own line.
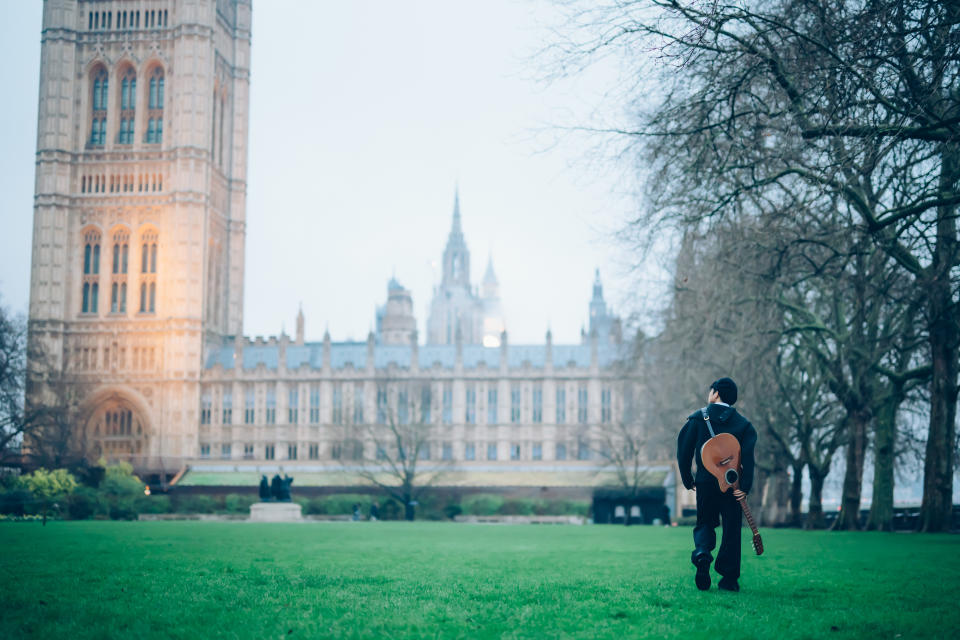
[703, 574]
[728, 584]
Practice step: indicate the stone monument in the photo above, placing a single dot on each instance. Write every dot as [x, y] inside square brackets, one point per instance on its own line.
[276, 505]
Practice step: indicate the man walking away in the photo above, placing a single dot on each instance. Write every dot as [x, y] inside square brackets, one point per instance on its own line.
[712, 505]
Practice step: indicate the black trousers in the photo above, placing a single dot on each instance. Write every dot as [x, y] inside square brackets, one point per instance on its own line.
[712, 507]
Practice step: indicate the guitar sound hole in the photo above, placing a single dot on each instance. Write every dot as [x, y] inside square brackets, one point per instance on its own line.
[731, 476]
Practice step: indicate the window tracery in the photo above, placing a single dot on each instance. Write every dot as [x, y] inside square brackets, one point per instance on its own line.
[155, 107]
[98, 103]
[91, 271]
[128, 96]
[148, 272]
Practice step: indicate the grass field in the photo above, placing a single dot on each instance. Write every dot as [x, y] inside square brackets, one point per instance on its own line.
[389, 580]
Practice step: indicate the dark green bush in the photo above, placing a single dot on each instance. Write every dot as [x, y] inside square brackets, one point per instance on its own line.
[239, 503]
[517, 507]
[452, 510]
[196, 504]
[85, 502]
[482, 504]
[124, 509]
[390, 509]
[342, 504]
[16, 501]
[153, 504]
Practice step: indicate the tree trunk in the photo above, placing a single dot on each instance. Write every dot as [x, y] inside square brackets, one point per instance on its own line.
[796, 495]
[936, 510]
[849, 518]
[776, 495]
[815, 519]
[885, 434]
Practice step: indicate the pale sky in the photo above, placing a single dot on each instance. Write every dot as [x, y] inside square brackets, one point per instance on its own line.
[364, 116]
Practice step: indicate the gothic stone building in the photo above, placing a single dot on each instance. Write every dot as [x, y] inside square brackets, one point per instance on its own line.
[137, 285]
[139, 212]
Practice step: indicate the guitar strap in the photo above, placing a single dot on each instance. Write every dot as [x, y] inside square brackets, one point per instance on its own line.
[706, 419]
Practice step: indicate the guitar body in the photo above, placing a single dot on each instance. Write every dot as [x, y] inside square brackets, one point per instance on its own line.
[721, 457]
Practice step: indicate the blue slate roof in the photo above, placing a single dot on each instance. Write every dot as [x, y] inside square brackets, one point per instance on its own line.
[355, 354]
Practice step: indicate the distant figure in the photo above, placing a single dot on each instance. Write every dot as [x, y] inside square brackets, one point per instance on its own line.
[374, 511]
[285, 488]
[276, 487]
[264, 489]
[356, 511]
[712, 504]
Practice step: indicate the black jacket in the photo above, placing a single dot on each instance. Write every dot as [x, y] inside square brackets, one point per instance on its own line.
[695, 433]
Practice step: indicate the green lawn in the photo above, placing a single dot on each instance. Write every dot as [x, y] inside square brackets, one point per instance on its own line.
[389, 580]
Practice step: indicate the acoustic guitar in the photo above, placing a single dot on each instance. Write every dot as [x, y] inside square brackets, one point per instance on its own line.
[721, 457]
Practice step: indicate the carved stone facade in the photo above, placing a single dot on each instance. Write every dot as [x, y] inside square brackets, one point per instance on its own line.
[139, 215]
[137, 283]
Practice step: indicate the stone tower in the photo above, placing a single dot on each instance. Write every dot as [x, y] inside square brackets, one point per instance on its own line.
[139, 213]
[493, 322]
[455, 305]
[396, 323]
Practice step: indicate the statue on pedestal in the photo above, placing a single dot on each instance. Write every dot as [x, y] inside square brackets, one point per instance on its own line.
[264, 489]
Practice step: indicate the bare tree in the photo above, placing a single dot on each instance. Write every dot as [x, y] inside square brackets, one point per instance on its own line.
[397, 450]
[765, 103]
[625, 444]
[35, 410]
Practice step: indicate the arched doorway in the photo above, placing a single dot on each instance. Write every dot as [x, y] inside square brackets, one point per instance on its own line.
[117, 432]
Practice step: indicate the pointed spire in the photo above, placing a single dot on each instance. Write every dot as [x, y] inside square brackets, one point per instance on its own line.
[456, 211]
[299, 337]
[490, 277]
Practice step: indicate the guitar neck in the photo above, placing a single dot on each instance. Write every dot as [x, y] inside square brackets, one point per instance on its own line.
[748, 515]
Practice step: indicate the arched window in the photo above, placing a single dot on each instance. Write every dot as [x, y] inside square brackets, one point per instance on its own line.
[114, 297]
[116, 432]
[128, 97]
[116, 258]
[123, 297]
[148, 271]
[155, 107]
[91, 271]
[98, 103]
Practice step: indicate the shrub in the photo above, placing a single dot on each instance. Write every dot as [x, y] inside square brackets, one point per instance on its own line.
[518, 507]
[452, 510]
[315, 506]
[238, 503]
[196, 504]
[124, 509]
[49, 488]
[342, 504]
[482, 504]
[16, 501]
[86, 502]
[390, 509]
[119, 482]
[121, 490]
[153, 504]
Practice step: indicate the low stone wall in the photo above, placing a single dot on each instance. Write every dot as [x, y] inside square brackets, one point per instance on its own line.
[230, 517]
[212, 517]
[521, 519]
